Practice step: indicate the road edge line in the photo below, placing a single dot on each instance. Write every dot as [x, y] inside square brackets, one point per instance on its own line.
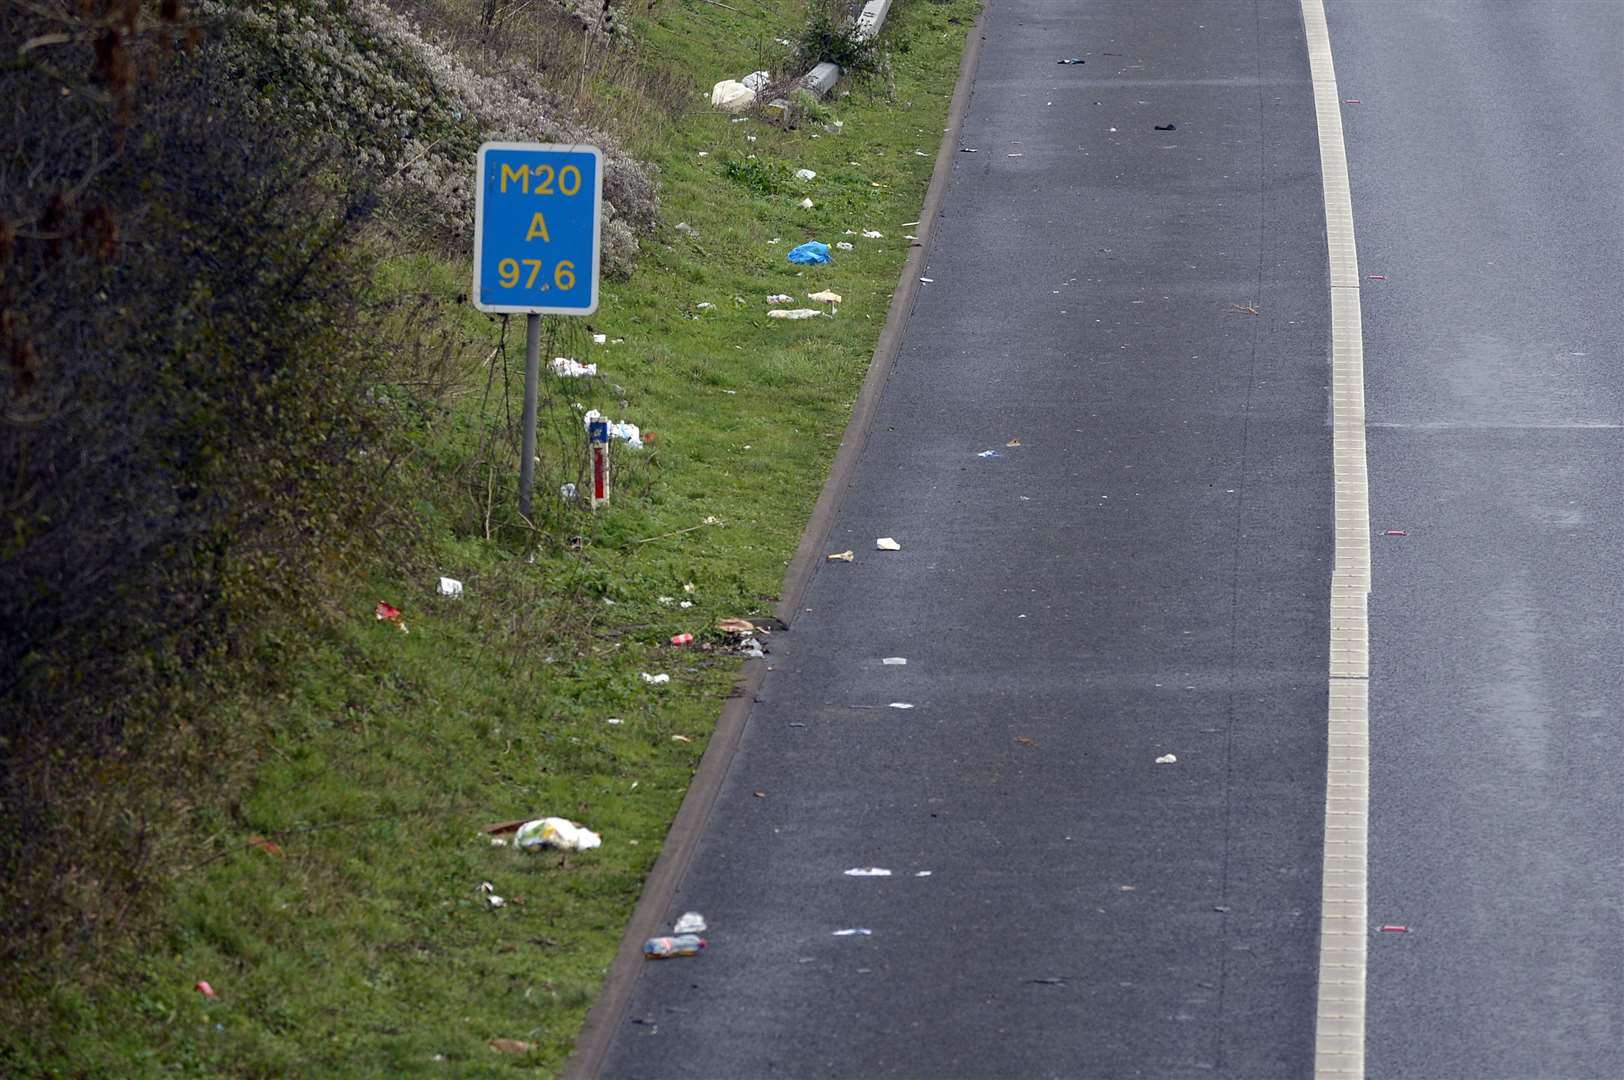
[1339, 1024]
[608, 1011]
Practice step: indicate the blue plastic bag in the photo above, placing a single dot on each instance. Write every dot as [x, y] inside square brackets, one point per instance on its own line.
[809, 252]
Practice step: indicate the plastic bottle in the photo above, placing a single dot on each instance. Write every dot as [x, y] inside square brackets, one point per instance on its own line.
[661, 948]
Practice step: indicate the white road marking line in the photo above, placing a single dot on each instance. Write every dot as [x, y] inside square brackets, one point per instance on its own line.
[1339, 1029]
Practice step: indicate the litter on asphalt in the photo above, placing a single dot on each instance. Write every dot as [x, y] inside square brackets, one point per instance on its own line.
[855, 931]
[664, 948]
[1166, 127]
[1167, 759]
[989, 454]
[894, 661]
[901, 705]
[842, 556]
[885, 543]
[1072, 60]
[868, 871]
[691, 922]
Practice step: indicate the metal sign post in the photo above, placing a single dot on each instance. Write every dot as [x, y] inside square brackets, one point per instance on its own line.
[538, 211]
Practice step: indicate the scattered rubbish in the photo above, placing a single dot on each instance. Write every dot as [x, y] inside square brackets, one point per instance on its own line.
[1396, 532]
[663, 948]
[390, 613]
[705, 305]
[564, 367]
[794, 313]
[779, 298]
[1395, 928]
[730, 95]
[752, 650]
[687, 230]
[927, 280]
[842, 556]
[510, 1046]
[1025, 740]
[600, 339]
[736, 626]
[567, 492]
[868, 871]
[989, 454]
[825, 297]
[1167, 759]
[1166, 127]
[686, 604]
[1015, 155]
[810, 253]
[1375, 277]
[909, 224]
[760, 794]
[682, 639]
[1071, 60]
[450, 587]
[1350, 101]
[885, 543]
[681, 739]
[665, 601]
[805, 174]
[495, 901]
[555, 832]
[844, 246]
[614, 720]
[656, 680]
[806, 204]
[856, 931]
[894, 661]
[922, 873]
[901, 705]
[689, 587]
[873, 234]
[1222, 909]
[205, 989]
[1244, 309]
[756, 80]
[1013, 442]
[692, 922]
[969, 150]
[269, 847]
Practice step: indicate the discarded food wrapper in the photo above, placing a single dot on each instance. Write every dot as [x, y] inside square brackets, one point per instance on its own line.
[868, 871]
[555, 832]
[809, 253]
[682, 639]
[856, 931]
[752, 649]
[692, 922]
[842, 556]
[736, 626]
[564, 367]
[205, 989]
[600, 339]
[885, 543]
[843, 246]
[1167, 759]
[730, 95]
[873, 234]
[389, 613]
[805, 174]
[780, 298]
[656, 680]
[450, 587]
[824, 297]
[663, 948]
[794, 313]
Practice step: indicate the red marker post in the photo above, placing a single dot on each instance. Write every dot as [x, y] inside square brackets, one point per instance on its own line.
[597, 437]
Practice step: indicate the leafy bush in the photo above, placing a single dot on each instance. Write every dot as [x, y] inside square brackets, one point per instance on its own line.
[830, 34]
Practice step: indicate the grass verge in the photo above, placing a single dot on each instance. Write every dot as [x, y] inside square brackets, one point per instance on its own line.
[335, 907]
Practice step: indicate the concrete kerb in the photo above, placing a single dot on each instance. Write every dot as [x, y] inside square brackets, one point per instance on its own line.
[608, 1012]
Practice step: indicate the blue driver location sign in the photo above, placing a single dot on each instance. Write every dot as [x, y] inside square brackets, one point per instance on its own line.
[536, 216]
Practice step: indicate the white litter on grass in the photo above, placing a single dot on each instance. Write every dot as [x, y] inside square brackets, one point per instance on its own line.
[780, 298]
[856, 931]
[873, 234]
[868, 871]
[885, 543]
[555, 832]
[807, 204]
[614, 720]
[450, 587]
[805, 174]
[1167, 759]
[655, 680]
[686, 604]
[495, 901]
[730, 95]
[692, 922]
[794, 313]
[600, 339]
[909, 224]
[666, 601]
[901, 705]
[843, 246]
[566, 368]
[894, 661]
[824, 297]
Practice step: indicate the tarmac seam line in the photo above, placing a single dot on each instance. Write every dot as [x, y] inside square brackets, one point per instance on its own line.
[1339, 1025]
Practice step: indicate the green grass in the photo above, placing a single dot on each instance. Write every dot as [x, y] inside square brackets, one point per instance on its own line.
[364, 948]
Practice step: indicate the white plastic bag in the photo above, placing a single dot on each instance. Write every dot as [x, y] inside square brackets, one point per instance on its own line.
[555, 832]
[732, 96]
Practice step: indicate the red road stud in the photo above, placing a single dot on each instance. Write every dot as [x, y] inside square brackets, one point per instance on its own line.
[1376, 277]
[682, 639]
[1350, 101]
[1395, 532]
[1394, 928]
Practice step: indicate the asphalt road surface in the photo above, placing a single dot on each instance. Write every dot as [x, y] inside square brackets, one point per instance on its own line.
[1487, 163]
[1147, 574]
